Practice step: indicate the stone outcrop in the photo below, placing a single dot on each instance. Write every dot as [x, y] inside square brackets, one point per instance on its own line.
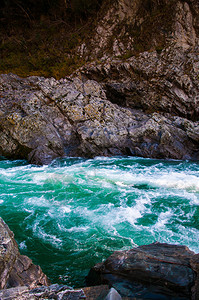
[15, 269]
[59, 292]
[152, 82]
[155, 271]
[41, 119]
[139, 96]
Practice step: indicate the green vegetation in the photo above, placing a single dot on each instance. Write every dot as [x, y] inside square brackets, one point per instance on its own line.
[42, 37]
[40, 50]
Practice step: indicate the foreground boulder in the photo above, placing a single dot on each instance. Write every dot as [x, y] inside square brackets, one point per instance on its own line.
[41, 119]
[15, 269]
[155, 271]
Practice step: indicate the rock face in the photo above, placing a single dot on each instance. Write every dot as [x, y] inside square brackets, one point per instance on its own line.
[139, 96]
[152, 82]
[148, 53]
[155, 271]
[126, 27]
[15, 269]
[41, 119]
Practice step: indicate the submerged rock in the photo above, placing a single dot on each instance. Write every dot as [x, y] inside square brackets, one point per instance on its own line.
[42, 119]
[155, 271]
[15, 269]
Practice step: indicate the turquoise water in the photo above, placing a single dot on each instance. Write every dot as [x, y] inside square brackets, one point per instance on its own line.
[75, 212]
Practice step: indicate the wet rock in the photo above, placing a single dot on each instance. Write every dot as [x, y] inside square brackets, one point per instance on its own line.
[15, 269]
[42, 119]
[156, 270]
[15, 293]
[96, 292]
[8, 253]
[59, 292]
[55, 291]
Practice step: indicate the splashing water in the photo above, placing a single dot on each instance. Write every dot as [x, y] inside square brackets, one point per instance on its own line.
[75, 212]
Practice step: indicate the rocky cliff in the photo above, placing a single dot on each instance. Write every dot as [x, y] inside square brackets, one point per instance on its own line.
[42, 119]
[128, 27]
[139, 95]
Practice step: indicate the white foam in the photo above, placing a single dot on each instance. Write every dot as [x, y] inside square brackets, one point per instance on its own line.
[194, 199]
[65, 209]
[163, 219]
[177, 180]
[37, 201]
[47, 237]
[78, 229]
[183, 236]
[119, 183]
[1, 201]
[92, 173]
[22, 245]
[136, 212]
[108, 216]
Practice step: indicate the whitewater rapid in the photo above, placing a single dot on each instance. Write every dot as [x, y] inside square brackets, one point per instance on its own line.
[75, 212]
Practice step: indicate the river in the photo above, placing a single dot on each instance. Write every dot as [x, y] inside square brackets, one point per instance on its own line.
[75, 212]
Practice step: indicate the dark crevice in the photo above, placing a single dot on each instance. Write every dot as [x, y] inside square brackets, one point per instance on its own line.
[115, 96]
